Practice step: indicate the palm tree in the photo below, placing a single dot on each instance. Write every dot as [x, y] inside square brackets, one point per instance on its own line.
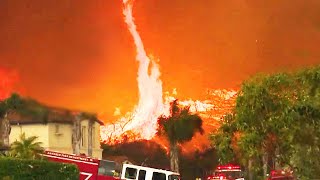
[7, 106]
[76, 134]
[4, 126]
[178, 128]
[26, 147]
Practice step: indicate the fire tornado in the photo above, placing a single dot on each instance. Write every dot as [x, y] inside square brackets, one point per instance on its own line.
[141, 123]
[150, 86]
[143, 120]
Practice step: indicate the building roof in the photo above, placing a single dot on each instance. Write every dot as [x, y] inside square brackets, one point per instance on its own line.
[52, 115]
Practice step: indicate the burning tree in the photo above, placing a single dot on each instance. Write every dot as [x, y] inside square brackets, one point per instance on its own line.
[179, 127]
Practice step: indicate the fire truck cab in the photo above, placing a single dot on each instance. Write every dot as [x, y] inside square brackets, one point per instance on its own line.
[90, 168]
[227, 172]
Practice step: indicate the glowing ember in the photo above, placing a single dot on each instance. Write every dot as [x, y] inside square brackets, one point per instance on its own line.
[7, 81]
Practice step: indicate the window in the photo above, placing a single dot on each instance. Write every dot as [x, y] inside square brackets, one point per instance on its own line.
[142, 175]
[107, 168]
[158, 176]
[102, 171]
[83, 136]
[131, 173]
[174, 177]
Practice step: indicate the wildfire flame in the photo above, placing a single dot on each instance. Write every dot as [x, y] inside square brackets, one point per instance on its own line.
[141, 123]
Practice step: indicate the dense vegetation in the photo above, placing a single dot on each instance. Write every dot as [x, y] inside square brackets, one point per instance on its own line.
[275, 124]
[23, 169]
[26, 148]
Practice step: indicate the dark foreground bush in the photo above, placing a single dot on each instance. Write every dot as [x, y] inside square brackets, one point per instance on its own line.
[21, 169]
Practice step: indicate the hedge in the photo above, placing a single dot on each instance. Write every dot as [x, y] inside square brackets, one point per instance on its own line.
[22, 169]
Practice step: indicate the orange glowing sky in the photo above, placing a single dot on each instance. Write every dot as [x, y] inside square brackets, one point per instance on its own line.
[79, 53]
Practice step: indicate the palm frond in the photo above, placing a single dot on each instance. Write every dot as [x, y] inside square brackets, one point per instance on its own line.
[181, 125]
[27, 147]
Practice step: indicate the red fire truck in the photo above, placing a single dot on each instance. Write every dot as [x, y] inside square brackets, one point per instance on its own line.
[90, 168]
[227, 172]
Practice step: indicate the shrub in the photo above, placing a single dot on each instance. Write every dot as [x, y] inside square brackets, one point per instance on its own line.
[22, 169]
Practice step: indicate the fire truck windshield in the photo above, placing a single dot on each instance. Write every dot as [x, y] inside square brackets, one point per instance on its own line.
[174, 177]
[107, 168]
[230, 174]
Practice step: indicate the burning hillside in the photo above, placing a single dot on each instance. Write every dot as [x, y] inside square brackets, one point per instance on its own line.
[218, 103]
[222, 101]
